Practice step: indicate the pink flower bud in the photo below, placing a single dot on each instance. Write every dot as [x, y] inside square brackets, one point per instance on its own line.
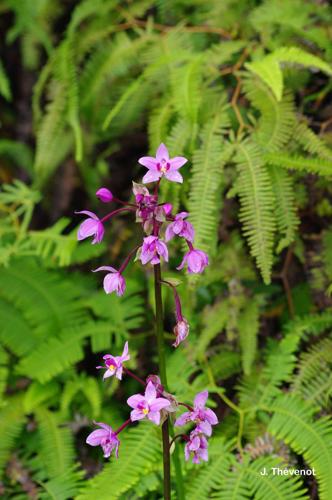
[104, 195]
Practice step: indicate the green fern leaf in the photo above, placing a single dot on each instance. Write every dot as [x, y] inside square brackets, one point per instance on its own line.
[285, 208]
[66, 350]
[277, 121]
[293, 422]
[56, 451]
[257, 203]
[11, 422]
[248, 329]
[303, 164]
[138, 454]
[268, 69]
[206, 182]
[210, 476]
[311, 142]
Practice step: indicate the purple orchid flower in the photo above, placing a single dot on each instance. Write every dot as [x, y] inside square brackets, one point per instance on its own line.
[162, 165]
[152, 250]
[202, 416]
[148, 405]
[181, 331]
[196, 260]
[91, 227]
[106, 438]
[105, 195]
[113, 281]
[180, 227]
[198, 446]
[114, 364]
[167, 207]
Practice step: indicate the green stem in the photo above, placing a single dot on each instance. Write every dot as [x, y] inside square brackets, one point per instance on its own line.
[166, 429]
[163, 378]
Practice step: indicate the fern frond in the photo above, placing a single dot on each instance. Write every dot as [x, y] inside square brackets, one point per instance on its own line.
[138, 454]
[285, 208]
[246, 481]
[89, 388]
[159, 123]
[268, 68]
[65, 486]
[50, 135]
[210, 476]
[248, 330]
[293, 422]
[277, 121]
[214, 321]
[255, 191]
[303, 164]
[311, 142]
[56, 451]
[206, 182]
[176, 141]
[186, 83]
[11, 422]
[313, 382]
[67, 349]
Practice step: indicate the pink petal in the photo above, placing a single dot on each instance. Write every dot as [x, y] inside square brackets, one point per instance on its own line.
[174, 175]
[90, 214]
[159, 404]
[162, 153]
[135, 400]
[118, 373]
[108, 374]
[177, 162]
[184, 260]
[183, 419]
[150, 392]
[136, 415]
[200, 399]
[169, 234]
[205, 427]
[211, 417]
[110, 283]
[151, 176]
[95, 437]
[154, 417]
[86, 229]
[125, 356]
[105, 268]
[148, 162]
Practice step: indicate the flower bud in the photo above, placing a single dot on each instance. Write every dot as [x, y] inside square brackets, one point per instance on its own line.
[104, 195]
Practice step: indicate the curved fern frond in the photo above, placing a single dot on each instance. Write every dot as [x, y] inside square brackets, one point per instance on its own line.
[277, 120]
[311, 142]
[248, 330]
[56, 451]
[268, 68]
[255, 191]
[138, 454]
[11, 422]
[206, 181]
[4, 83]
[245, 481]
[293, 421]
[313, 382]
[210, 476]
[303, 164]
[285, 208]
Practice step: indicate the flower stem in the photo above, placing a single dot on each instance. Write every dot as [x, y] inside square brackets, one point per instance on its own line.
[163, 378]
[132, 375]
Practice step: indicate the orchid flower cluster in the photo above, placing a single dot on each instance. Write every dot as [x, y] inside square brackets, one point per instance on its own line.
[155, 404]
